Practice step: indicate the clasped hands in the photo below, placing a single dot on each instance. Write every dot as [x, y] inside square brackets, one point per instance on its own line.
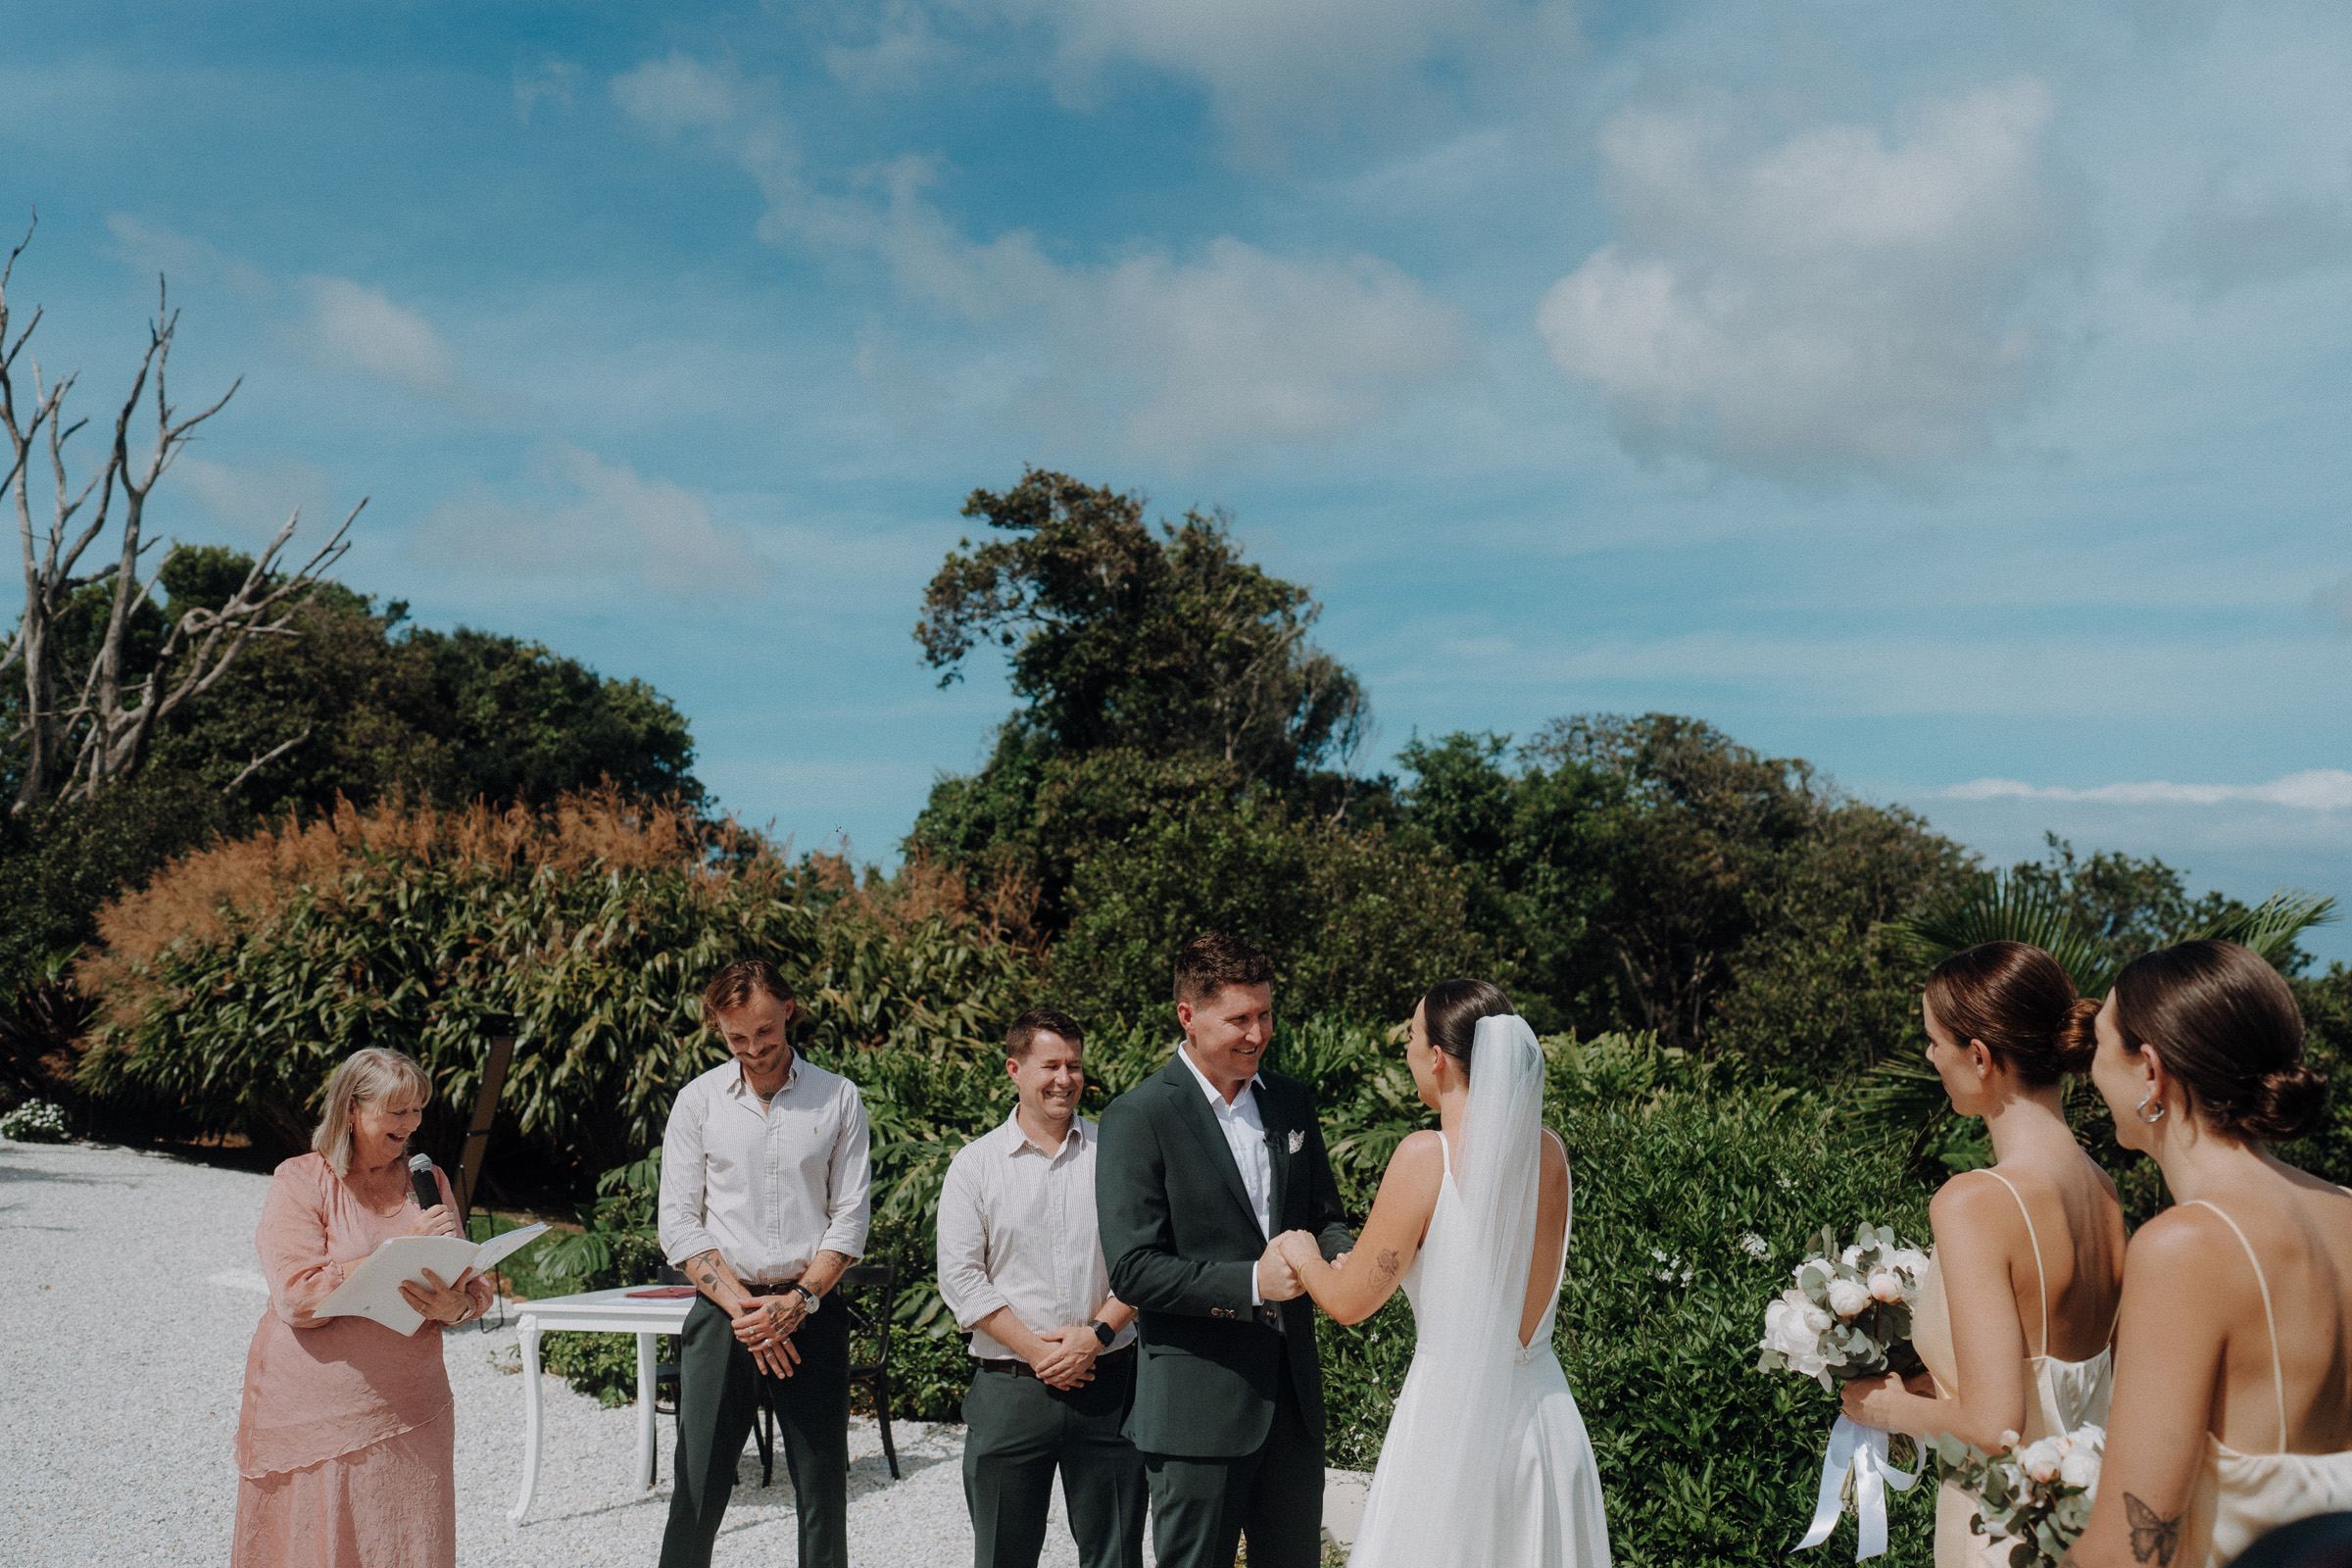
[1067, 1359]
[1285, 1255]
[766, 1327]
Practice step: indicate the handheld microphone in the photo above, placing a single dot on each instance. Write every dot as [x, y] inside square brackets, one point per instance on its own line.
[420, 1177]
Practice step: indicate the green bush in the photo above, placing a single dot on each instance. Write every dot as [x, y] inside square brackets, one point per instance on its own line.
[238, 978]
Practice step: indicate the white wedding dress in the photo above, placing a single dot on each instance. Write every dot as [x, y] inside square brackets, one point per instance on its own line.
[1485, 1463]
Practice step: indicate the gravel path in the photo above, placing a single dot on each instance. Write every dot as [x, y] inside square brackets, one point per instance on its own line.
[138, 1289]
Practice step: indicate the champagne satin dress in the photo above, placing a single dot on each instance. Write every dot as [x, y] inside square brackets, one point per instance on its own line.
[2060, 1396]
[2246, 1494]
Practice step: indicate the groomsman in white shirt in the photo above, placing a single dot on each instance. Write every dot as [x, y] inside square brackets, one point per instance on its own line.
[1021, 1266]
[764, 1185]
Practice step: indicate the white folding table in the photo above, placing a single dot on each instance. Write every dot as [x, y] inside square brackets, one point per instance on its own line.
[593, 1312]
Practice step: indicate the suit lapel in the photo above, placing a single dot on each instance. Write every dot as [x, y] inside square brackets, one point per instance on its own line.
[1192, 1109]
[1278, 1158]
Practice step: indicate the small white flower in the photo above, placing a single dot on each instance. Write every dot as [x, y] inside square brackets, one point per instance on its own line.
[2040, 1460]
[1755, 1246]
[1656, 1257]
[1885, 1285]
[1848, 1297]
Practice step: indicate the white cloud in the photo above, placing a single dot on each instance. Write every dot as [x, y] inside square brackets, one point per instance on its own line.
[1272, 68]
[183, 257]
[1834, 304]
[555, 81]
[601, 519]
[2228, 239]
[1229, 347]
[2324, 789]
[354, 327]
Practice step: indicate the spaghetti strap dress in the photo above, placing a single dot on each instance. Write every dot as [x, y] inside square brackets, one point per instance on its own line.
[2248, 1495]
[2060, 1397]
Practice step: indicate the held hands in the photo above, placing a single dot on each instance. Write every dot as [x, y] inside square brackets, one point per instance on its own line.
[765, 1326]
[443, 1306]
[1277, 1279]
[439, 1220]
[1066, 1357]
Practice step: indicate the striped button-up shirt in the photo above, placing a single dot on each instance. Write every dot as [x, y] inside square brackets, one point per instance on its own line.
[768, 1186]
[1016, 1228]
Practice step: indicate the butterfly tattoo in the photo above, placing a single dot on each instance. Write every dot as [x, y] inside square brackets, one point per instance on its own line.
[2152, 1537]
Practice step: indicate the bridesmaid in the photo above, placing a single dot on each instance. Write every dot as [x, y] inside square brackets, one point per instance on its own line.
[2019, 1298]
[2233, 1391]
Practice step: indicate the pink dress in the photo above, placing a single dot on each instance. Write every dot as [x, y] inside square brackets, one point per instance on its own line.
[346, 1442]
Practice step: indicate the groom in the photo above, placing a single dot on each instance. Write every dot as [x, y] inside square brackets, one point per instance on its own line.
[1197, 1169]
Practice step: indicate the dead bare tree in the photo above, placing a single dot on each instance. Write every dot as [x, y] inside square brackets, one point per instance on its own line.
[75, 750]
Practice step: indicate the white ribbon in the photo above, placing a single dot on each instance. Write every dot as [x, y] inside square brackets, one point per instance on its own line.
[1862, 1451]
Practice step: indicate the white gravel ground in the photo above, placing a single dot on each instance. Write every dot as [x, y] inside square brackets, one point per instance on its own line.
[136, 1290]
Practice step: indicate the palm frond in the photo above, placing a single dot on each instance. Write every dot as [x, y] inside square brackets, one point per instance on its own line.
[2002, 908]
[2272, 926]
[1903, 1097]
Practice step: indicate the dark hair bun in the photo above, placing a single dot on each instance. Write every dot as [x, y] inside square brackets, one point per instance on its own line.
[2078, 1036]
[2016, 999]
[2225, 1024]
[2287, 1105]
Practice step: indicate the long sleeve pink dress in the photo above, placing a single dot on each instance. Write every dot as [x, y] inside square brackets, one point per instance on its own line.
[346, 1442]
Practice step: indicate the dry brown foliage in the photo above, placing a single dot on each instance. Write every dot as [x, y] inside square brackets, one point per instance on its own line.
[239, 883]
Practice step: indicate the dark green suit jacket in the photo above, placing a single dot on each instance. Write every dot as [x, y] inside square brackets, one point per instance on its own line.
[1182, 1242]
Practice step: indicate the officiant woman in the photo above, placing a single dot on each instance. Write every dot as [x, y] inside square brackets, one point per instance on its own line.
[347, 1439]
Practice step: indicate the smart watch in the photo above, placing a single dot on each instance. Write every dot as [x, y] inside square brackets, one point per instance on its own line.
[1103, 1332]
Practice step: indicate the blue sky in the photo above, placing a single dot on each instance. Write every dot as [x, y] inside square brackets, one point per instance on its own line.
[1954, 396]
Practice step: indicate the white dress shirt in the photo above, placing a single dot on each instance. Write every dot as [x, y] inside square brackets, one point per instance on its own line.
[1244, 1133]
[1016, 1228]
[769, 1187]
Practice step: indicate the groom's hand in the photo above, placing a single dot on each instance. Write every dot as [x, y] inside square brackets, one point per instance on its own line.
[1277, 1280]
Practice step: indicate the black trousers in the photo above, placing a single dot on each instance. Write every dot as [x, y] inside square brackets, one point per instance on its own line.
[1201, 1507]
[1017, 1433]
[720, 1388]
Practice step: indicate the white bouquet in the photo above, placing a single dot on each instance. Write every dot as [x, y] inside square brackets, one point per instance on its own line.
[2037, 1498]
[1848, 1314]
[1849, 1317]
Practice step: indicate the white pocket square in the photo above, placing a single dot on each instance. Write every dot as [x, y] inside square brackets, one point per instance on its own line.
[1298, 1142]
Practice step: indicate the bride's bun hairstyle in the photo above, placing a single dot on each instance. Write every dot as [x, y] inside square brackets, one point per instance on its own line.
[1451, 1009]
[2225, 1024]
[2021, 1004]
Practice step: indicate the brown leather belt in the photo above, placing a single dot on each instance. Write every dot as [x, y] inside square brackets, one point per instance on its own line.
[1015, 1367]
[772, 1288]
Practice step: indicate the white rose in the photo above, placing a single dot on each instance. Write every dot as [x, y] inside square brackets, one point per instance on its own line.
[1885, 1285]
[1793, 1326]
[2088, 1439]
[1852, 1257]
[1910, 1262]
[1848, 1296]
[2080, 1468]
[2040, 1460]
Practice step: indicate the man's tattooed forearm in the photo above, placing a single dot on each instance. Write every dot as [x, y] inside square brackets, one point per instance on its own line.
[703, 1269]
[1386, 1263]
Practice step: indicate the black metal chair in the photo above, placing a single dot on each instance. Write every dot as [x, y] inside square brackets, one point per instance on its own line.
[870, 1323]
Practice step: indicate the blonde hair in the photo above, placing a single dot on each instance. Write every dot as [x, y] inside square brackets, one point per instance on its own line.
[365, 1077]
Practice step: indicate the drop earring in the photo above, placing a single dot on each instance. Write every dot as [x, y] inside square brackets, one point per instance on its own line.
[2141, 1109]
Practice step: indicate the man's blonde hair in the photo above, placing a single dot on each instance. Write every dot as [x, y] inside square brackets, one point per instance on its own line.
[367, 1077]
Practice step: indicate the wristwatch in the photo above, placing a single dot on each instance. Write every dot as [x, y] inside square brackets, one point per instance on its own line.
[810, 1296]
[1103, 1332]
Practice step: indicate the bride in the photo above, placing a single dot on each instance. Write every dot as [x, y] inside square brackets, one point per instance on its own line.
[1486, 1460]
